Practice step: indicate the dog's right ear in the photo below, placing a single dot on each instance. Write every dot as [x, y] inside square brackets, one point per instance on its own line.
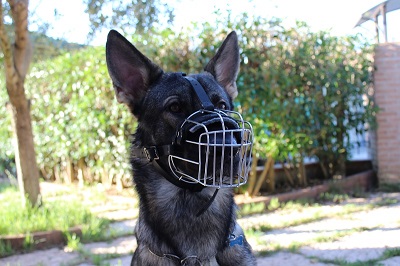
[131, 72]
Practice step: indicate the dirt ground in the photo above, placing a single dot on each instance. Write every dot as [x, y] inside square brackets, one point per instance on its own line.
[367, 233]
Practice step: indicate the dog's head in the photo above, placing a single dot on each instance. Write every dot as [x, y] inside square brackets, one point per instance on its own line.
[185, 124]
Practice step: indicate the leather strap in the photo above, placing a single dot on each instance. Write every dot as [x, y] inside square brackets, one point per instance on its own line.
[210, 201]
[201, 94]
[153, 152]
[176, 182]
[156, 155]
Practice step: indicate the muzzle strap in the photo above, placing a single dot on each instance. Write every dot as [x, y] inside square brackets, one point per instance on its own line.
[153, 152]
[206, 104]
[155, 155]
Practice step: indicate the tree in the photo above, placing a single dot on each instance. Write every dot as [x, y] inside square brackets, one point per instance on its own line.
[133, 15]
[17, 57]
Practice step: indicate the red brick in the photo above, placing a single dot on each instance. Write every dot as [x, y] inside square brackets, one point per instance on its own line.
[387, 97]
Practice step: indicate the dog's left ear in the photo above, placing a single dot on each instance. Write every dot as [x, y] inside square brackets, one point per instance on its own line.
[224, 66]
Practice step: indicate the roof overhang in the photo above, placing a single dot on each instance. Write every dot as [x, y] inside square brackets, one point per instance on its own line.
[384, 7]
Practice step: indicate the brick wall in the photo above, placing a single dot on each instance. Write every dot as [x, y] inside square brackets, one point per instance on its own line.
[387, 96]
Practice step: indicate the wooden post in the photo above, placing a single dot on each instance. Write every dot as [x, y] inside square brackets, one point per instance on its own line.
[253, 175]
[263, 176]
[81, 171]
[69, 172]
[57, 174]
[271, 176]
[118, 181]
[302, 171]
[106, 178]
[377, 28]
[287, 173]
[384, 22]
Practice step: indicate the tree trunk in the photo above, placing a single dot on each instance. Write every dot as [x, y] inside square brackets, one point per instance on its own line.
[25, 157]
[17, 57]
[340, 169]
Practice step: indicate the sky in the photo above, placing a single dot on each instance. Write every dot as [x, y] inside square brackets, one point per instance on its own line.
[339, 16]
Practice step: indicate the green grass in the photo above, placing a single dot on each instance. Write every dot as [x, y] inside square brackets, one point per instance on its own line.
[338, 235]
[86, 256]
[299, 204]
[252, 208]
[388, 253]
[295, 246]
[55, 214]
[386, 202]
[304, 220]
[342, 262]
[391, 252]
[274, 204]
[389, 187]
[59, 211]
[73, 242]
[333, 197]
[5, 249]
[98, 259]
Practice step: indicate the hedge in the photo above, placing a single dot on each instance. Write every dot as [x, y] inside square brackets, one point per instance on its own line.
[302, 91]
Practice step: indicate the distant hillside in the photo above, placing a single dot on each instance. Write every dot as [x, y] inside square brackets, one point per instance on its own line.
[46, 47]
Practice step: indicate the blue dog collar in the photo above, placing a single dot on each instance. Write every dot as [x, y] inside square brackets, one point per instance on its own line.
[235, 240]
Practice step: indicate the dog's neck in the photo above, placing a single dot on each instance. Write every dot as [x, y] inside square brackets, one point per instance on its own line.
[158, 156]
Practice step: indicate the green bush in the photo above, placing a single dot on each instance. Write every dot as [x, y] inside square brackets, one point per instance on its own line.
[76, 116]
[305, 92]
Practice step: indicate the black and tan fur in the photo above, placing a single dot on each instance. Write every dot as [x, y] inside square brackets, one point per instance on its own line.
[168, 231]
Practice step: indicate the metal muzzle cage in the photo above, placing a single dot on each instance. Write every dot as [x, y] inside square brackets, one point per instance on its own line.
[212, 148]
[220, 144]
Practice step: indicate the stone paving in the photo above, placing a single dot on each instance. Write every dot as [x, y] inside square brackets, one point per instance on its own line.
[338, 235]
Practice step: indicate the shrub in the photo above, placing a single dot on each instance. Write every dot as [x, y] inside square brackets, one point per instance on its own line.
[76, 118]
[303, 92]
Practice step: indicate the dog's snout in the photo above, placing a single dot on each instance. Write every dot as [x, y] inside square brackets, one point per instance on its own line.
[216, 130]
[213, 147]
[218, 135]
[220, 140]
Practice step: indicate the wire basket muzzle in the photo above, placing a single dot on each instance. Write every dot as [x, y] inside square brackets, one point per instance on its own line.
[215, 149]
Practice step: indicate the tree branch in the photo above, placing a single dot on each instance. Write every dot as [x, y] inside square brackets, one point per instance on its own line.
[11, 77]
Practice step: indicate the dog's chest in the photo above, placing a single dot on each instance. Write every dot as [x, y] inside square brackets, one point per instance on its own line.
[174, 213]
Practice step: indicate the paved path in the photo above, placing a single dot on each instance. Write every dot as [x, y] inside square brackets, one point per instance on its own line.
[366, 231]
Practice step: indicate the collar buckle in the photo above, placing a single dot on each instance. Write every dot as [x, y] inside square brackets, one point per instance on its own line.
[151, 153]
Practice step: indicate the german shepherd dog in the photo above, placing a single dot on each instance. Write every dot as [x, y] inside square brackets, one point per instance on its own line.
[186, 148]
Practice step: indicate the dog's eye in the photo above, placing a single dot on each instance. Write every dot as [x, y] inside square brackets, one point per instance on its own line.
[221, 105]
[175, 108]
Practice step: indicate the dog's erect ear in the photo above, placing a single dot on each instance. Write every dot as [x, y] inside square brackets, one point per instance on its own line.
[224, 66]
[131, 72]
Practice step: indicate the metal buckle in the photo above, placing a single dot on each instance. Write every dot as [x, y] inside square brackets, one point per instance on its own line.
[151, 153]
